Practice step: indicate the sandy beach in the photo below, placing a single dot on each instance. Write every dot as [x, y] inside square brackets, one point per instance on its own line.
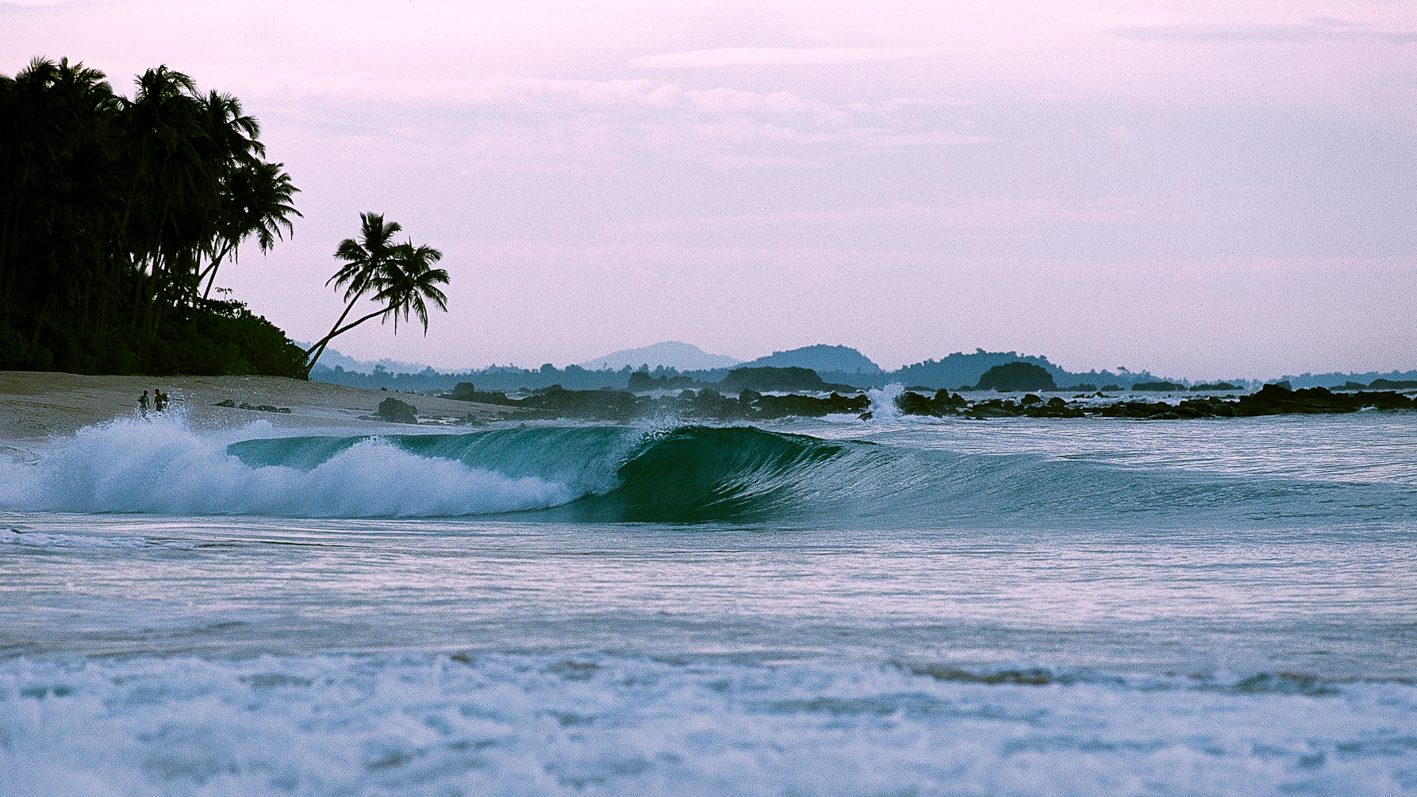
[36, 405]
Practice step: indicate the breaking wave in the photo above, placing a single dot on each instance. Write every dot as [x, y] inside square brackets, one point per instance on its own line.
[685, 474]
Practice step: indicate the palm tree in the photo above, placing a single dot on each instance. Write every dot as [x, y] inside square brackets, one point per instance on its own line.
[400, 277]
[414, 280]
[231, 147]
[54, 193]
[172, 187]
[261, 198]
[363, 259]
[115, 212]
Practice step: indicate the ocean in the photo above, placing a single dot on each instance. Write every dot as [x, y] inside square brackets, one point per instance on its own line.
[900, 606]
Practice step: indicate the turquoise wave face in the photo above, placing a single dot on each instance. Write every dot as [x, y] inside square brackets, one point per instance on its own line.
[694, 474]
[685, 474]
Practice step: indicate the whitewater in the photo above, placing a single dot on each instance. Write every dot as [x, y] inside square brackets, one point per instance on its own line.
[899, 606]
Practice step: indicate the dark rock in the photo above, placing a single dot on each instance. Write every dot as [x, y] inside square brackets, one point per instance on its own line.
[617, 405]
[912, 403]
[1385, 401]
[254, 407]
[1053, 408]
[991, 410]
[807, 406]
[940, 404]
[1277, 398]
[395, 411]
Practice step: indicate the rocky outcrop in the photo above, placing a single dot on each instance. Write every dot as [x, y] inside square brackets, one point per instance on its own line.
[940, 404]
[557, 402]
[230, 403]
[1275, 399]
[395, 411]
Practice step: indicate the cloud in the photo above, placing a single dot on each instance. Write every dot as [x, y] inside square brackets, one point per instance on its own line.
[740, 129]
[888, 139]
[907, 103]
[777, 56]
[974, 213]
[1313, 30]
[532, 92]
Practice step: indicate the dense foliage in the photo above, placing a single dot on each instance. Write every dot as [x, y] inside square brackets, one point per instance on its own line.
[115, 215]
[1016, 376]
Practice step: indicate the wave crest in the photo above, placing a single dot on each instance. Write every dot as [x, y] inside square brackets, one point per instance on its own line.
[686, 474]
[138, 467]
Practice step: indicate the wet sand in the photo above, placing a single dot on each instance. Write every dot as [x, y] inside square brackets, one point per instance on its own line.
[35, 405]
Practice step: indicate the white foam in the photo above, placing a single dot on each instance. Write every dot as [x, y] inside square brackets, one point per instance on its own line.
[603, 725]
[39, 539]
[141, 466]
[883, 401]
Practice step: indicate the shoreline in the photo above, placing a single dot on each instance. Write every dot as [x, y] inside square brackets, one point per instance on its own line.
[41, 405]
[37, 406]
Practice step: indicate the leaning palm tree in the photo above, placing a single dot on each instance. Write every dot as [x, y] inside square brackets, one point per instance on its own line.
[363, 259]
[400, 277]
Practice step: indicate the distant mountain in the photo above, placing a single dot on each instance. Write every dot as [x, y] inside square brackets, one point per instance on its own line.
[820, 358]
[674, 354]
[332, 358]
[1334, 379]
[963, 370]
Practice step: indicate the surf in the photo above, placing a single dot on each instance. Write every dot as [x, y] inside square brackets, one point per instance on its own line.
[679, 474]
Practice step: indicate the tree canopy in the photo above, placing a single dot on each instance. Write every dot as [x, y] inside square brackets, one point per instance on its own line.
[1016, 376]
[116, 214]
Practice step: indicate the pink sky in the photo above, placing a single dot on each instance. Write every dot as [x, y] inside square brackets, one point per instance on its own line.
[1224, 190]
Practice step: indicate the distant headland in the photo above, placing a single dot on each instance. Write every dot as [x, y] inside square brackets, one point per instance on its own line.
[656, 368]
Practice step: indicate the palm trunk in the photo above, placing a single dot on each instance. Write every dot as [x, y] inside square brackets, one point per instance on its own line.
[318, 347]
[320, 344]
[210, 272]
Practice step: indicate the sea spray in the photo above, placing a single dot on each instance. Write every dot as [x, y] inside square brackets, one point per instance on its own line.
[503, 723]
[883, 401]
[133, 465]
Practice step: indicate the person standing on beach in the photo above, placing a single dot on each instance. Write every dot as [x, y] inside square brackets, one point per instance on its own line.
[143, 403]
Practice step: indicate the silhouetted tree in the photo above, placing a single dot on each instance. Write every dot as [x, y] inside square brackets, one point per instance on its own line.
[113, 210]
[400, 277]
